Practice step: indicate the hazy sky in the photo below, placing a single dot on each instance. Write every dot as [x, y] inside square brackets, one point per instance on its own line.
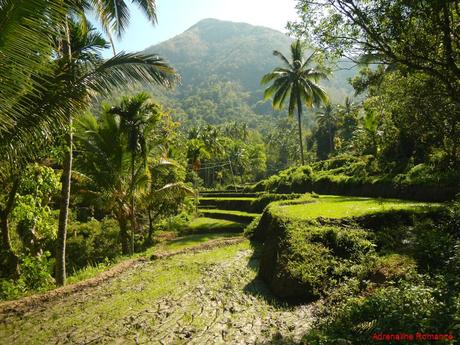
[176, 16]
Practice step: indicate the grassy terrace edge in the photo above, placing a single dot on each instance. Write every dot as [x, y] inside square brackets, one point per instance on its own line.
[314, 242]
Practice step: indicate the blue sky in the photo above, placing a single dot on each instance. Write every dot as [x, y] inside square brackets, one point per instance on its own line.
[176, 16]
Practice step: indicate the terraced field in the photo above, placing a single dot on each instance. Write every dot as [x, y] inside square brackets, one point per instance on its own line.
[333, 206]
[229, 206]
[198, 289]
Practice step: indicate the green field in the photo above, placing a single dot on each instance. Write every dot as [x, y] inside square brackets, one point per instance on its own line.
[227, 198]
[204, 225]
[330, 206]
[191, 241]
[230, 212]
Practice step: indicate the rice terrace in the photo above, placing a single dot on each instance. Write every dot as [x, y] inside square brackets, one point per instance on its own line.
[216, 172]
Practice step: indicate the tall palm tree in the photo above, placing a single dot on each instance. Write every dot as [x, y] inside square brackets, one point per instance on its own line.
[327, 118]
[297, 81]
[114, 16]
[137, 114]
[83, 74]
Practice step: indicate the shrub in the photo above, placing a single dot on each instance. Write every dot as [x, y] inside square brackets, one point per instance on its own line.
[360, 176]
[432, 245]
[264, 199]
[251, 227]
[36, 272]
[177, 222]
[35, 277]
[303, 260]
[408, 308]
[92, 242]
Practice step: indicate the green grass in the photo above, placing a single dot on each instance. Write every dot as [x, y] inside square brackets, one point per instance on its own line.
[232, 212]
[227, 198]
[342, 207]
[92, 271]
[231, 215]
[170, 245]
[190, 241]
[206, 225]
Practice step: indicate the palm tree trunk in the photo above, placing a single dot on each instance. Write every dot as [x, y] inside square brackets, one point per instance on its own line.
[4, 214]
[133, 211]
[123, 234]
[6, 243]
[149, 240]
[330, 138]
[64, 209]
[12, 261]
[150, 234]
[66, 178]
[299, 120]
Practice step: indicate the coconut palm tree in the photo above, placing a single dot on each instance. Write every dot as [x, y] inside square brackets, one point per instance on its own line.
[137, 115]
[114, 16]
[297, 81]
[80, 76]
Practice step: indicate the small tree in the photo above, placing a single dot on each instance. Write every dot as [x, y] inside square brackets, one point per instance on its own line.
[327, 118]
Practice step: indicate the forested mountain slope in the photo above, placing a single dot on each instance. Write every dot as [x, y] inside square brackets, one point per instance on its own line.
[221, 64]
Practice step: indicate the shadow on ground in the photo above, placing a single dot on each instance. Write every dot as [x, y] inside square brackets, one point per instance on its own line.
[257, 287]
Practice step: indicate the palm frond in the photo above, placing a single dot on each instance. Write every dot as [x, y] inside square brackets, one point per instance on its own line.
[280, 96]
[315, 75]
[275, 74]
[319, 95]
[149, 7]
[308, 60]
[297, 50]
[175, 188]
[283, 58]
[112, 14]
[277, 84]
[305, 93]
[128, 68]
[293, 101]
[27, 28]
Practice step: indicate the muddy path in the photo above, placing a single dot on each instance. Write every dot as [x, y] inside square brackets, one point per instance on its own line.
[210, 297]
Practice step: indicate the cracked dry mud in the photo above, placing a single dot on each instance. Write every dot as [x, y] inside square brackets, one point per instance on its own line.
[222, 304]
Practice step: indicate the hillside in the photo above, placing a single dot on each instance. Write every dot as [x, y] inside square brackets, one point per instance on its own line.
[221, 64]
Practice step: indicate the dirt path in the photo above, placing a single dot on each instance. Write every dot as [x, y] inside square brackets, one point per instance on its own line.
[193, 298]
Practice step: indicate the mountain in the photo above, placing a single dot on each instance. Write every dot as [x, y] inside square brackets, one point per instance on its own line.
[221, 64]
